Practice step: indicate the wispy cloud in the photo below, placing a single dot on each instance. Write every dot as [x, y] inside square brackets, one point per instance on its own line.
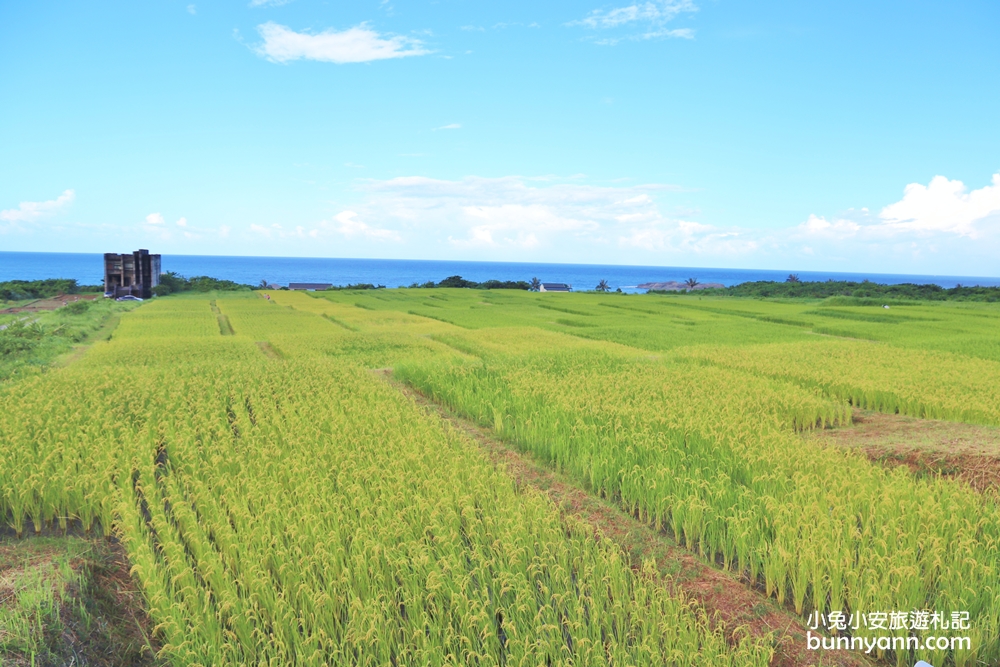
[347, 224]
[564, 218]
[503, 25]
[510, 212]
[192, 9]
[359, 44]
[156, 226]
[449, 126]
[30, 211]
[33, 211]
[648, 12]
[268, 3]
[639, 21]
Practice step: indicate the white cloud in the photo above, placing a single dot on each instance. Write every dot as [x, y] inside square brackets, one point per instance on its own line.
[156, 225]
[449, 126]
[681, 33]
[260, 229]
[355, 45]
[268, 3]
[821, 227]
[638, 199]
[943, 206]
[646, 12]
[517, 224]
[510, 212]
[650, 17]
[562, 219]
[30, 211]
[346, 223]
[686, 238]
[192, 9]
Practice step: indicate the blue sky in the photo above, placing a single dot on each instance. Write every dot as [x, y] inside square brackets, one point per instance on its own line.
[839, 136]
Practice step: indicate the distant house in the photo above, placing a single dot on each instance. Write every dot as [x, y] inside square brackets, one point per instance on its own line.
[273, 286]
[310, 286]
[555, 287]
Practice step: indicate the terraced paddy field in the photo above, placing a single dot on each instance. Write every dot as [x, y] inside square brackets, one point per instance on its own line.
[457, 477]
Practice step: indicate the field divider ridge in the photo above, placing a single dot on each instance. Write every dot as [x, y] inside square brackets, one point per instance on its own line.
[730, 604]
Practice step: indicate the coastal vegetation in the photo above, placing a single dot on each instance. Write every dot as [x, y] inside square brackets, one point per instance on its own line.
[22, 290]
[459, 281]
[172, 283]
[285, 490]
[867, 292]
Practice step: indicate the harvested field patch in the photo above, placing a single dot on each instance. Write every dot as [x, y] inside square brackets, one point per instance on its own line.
[48, 304]
[928, 447]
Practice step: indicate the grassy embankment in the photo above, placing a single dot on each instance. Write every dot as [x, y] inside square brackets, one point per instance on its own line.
[32, 340]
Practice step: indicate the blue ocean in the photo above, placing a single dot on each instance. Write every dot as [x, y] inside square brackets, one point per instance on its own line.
[88, 269]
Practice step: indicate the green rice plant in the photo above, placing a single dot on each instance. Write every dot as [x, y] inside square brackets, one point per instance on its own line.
[302, 511]
[930, 384]
[710, 452]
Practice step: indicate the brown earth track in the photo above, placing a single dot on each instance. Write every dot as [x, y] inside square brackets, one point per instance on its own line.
[48, 304]
[731, 605]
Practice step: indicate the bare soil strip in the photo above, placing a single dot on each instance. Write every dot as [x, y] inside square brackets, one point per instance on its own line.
[731, 604]
[928, 447]
[48, 304]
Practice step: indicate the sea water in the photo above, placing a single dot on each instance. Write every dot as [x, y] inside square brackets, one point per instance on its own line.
[88, 269]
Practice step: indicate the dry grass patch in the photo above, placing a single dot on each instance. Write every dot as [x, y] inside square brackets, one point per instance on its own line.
[928, 447]
[69, 600]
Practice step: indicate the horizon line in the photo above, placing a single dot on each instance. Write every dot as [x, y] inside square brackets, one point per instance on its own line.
[480, 261]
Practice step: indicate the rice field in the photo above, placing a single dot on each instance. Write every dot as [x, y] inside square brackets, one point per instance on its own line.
[281, 503]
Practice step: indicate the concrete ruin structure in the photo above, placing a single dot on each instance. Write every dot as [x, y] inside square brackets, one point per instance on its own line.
[132, 274]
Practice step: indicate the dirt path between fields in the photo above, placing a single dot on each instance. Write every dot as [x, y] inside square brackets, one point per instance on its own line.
[928, 447]
[732, 605]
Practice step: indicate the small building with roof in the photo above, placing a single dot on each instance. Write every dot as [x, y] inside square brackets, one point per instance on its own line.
[555, 287]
